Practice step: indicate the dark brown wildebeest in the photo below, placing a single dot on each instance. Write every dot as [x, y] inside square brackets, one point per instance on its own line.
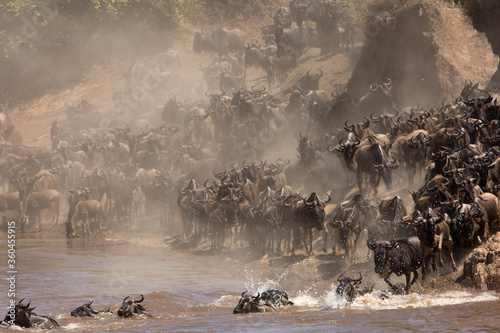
[23, 316]
[270, 299]
[308, 215]
[86, 310]
[220, 41]
[132, 307]
[399, 256]
[373, 161]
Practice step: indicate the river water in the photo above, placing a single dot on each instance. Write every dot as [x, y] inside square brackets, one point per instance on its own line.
[194, 292]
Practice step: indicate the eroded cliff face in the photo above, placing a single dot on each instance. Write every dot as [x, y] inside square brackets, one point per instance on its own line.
[428, 49]
[482, 266]
[485, 17]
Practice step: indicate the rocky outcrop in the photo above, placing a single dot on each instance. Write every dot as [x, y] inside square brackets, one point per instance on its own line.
[482, 266]
[428, 48]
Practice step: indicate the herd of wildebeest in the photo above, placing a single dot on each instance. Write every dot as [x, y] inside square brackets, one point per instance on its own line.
[203, 163]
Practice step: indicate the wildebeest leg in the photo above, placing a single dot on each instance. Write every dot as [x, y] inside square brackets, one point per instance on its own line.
[55, 213]
[310, 234]
[296, 238]
[425, 265]
[386, 279]
[449, 245]
[415, 276]
[86, 226]
[325, 240]
[359, 179]
[440, 250]
[434, 269]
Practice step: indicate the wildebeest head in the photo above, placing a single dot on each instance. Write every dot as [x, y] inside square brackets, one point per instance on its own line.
[21, 314]
[316, 210]
[311, 80]
[305, 148]
[84, 310]
[380, 250]
[427, 222]
[384, 165]
[131, 306]
[248, 304]
[347, 287]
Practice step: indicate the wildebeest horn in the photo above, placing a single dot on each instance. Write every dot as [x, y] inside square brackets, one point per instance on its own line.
[374, 87]
[126, 298]
[142, 299]
[399, 120]
[243, 293]
[348, 127]
[329, 198]
[430, 189]
[366, 123]
[373, 118]
[256, 297]
[388, 83]
[397, 113]
[307, 204]
[360, 278]
[371, 245]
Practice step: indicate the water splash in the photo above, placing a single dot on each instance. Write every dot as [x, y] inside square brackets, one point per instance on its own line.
[261, 286]
[333, 300]
[72, 326]
[306, 299]
[373, 301]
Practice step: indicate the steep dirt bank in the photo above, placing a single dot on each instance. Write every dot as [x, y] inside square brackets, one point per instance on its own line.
[484, 15]
[428, 50]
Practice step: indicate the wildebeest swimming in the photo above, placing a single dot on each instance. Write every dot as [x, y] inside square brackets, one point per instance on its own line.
[23, 316]
[131, 307]
[269, 300]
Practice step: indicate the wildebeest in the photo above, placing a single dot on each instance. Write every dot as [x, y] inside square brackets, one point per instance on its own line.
[86, 310]
[38, 201]
[23, 316]
[132, 307]
[399, 256]
[270, 299]
[310, 81]
[373, 161]
[433, 231]
[348, 287]
[295, 38]
[91, 215]
[349, 219]
[378, 99]
[308, 215]
[283, 17]
[220, 41]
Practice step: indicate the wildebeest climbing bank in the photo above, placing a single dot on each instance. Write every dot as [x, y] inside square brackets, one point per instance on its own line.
[294, 165]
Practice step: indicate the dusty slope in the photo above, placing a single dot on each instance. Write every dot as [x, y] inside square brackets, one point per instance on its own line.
[35, 117]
